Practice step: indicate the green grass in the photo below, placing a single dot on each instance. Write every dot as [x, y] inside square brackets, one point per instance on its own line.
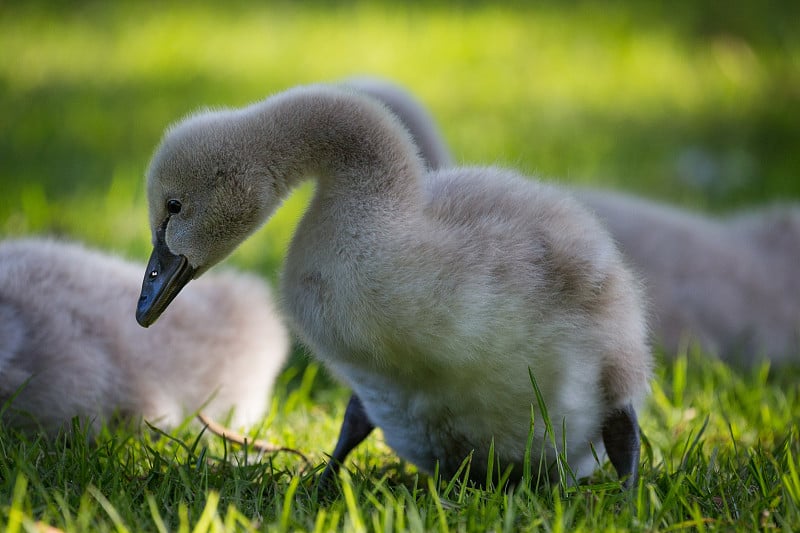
[689, 103]
[696, 105]
[721, 452]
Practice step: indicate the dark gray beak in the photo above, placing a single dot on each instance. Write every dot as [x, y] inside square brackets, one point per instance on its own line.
[166, 275]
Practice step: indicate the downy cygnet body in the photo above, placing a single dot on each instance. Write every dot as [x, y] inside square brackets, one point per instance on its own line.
[431, 294]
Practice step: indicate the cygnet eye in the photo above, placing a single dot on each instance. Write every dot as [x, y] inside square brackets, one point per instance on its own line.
[173, 207]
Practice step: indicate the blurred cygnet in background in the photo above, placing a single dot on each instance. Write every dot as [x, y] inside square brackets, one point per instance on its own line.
[730, 284]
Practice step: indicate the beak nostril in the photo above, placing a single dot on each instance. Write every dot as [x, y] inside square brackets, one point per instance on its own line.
[164, 276]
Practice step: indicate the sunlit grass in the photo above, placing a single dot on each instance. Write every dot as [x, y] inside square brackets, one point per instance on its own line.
[564, 59]
[608, 94]
[730, 463]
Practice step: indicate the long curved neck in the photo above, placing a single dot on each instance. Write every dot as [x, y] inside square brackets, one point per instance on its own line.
[355, 148]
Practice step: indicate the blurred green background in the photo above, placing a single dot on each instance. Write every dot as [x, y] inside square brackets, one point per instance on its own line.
[695, 103]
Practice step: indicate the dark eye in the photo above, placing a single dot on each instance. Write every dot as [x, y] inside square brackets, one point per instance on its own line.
[173, 207]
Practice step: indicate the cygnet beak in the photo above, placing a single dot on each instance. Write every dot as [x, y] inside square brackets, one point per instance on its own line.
[164, 278]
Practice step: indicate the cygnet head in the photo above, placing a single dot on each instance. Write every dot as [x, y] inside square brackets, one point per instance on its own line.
[205, 197]
[218, 175]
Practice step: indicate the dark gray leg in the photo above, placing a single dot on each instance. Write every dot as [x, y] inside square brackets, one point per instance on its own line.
[355, 428]
[621, 438]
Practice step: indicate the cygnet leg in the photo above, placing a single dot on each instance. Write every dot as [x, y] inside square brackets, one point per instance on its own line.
[621, 439]
[355, 428]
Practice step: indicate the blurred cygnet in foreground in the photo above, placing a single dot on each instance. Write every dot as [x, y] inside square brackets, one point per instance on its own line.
[69, 345]
[729, 284]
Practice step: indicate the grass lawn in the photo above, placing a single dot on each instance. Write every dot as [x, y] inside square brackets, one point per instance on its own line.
[721, 452]
[693, 104]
